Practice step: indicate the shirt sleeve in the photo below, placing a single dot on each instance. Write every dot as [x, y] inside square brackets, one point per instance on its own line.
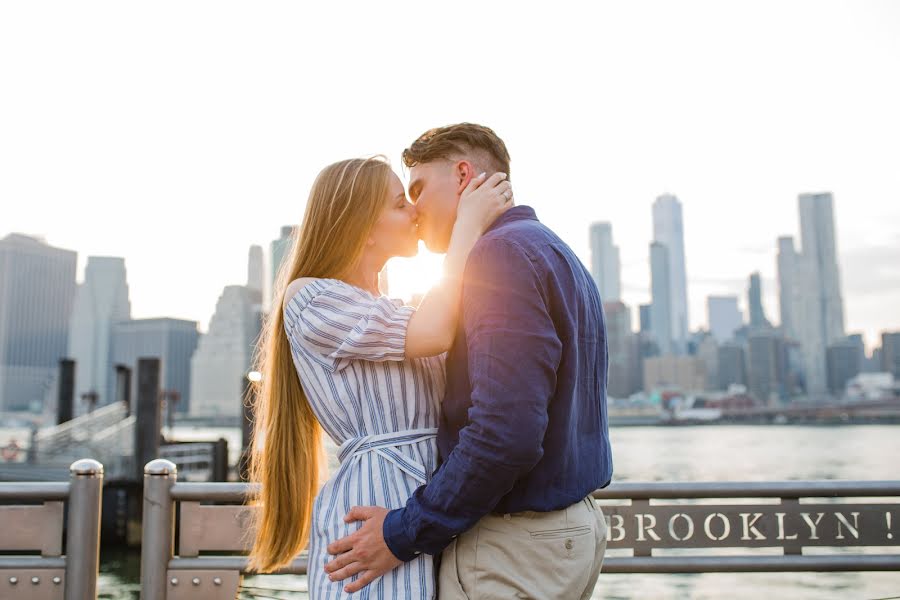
[513, 356]
[338, 321]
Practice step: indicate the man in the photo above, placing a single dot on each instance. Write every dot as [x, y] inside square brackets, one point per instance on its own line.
[523, 433]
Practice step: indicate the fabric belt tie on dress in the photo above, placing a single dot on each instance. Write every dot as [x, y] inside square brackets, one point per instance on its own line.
[385, 445]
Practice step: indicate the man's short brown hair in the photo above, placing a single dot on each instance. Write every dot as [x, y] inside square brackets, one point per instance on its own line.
[462, 139]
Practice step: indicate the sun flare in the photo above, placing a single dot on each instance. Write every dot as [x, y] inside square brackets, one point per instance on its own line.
[408, 277]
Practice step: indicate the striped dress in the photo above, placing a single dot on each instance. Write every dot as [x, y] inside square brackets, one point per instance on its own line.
[379, 407]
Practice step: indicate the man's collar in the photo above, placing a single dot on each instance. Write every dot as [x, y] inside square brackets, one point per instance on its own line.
[516, 213]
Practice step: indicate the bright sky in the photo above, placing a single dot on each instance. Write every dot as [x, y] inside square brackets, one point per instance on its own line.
[177, 134]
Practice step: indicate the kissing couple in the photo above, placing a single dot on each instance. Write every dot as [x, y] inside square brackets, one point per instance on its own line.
[472, 428]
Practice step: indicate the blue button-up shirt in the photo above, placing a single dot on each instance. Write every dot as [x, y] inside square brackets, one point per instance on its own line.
[524, 422]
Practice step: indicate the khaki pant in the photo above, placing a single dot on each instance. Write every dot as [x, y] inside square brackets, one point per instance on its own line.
[544, 555]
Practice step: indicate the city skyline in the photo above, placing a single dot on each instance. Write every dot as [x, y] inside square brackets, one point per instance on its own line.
[262, 265]
[809, 285]
[218, 143]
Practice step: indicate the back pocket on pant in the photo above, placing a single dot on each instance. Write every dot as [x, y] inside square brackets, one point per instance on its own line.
[566, 543]
[553, 534]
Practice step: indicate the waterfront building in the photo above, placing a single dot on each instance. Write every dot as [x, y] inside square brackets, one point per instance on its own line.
[724, 317]
[767, 366]
[732, 363]
[255, 270]
[820, 309]
[668, 230]
[623, 351]
[281, 248]
[890, 353]
[101, 301]
[754, 302]
[788, 292]
[844, 363]
[605, 263]
[37, 292]
[683, 373]
[661, 304]
[223, 356]
[172, 341]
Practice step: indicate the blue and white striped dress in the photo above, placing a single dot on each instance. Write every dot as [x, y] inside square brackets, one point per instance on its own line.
[381, 408]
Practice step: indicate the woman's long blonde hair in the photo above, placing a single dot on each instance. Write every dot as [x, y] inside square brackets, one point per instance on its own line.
[344, 203]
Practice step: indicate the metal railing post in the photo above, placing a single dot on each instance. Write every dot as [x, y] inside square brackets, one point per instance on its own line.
[158, 528]
[83, 530]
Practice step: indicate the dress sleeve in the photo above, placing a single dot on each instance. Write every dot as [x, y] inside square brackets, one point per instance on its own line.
[338, 321]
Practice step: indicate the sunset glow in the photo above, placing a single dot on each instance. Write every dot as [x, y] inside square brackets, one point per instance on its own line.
[410, 276]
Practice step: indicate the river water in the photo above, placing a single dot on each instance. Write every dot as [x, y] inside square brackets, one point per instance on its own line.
[702, 453]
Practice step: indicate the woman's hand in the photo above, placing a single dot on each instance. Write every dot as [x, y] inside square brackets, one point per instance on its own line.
[483, 201]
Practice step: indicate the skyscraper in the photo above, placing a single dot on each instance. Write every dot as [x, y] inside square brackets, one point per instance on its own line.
[843, 360]
[821, 309]
[767, 365]
[732, 365]
[100, 302]
[708, 352]
[788, 293]
[281, 248]
[37, 290]
[661, 304]
[795, 379]
[173, 341]
[754, 302]
[890, 353]
[878, 361]
[623, 351]
[605, 265]
[224, 354]
[724, 317]
[255, 271]
[857, 340]
[644, 317]
[668, 229]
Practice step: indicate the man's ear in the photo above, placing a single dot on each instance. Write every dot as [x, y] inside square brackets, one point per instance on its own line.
[464, 172]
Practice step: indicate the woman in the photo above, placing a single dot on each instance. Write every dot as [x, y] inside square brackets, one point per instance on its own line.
[367, 369]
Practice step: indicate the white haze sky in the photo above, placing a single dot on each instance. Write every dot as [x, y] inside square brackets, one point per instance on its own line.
[177, 134]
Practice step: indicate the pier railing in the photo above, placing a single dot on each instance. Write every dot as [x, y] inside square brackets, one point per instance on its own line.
[787, 526]
[31, 523]
[662, 527]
